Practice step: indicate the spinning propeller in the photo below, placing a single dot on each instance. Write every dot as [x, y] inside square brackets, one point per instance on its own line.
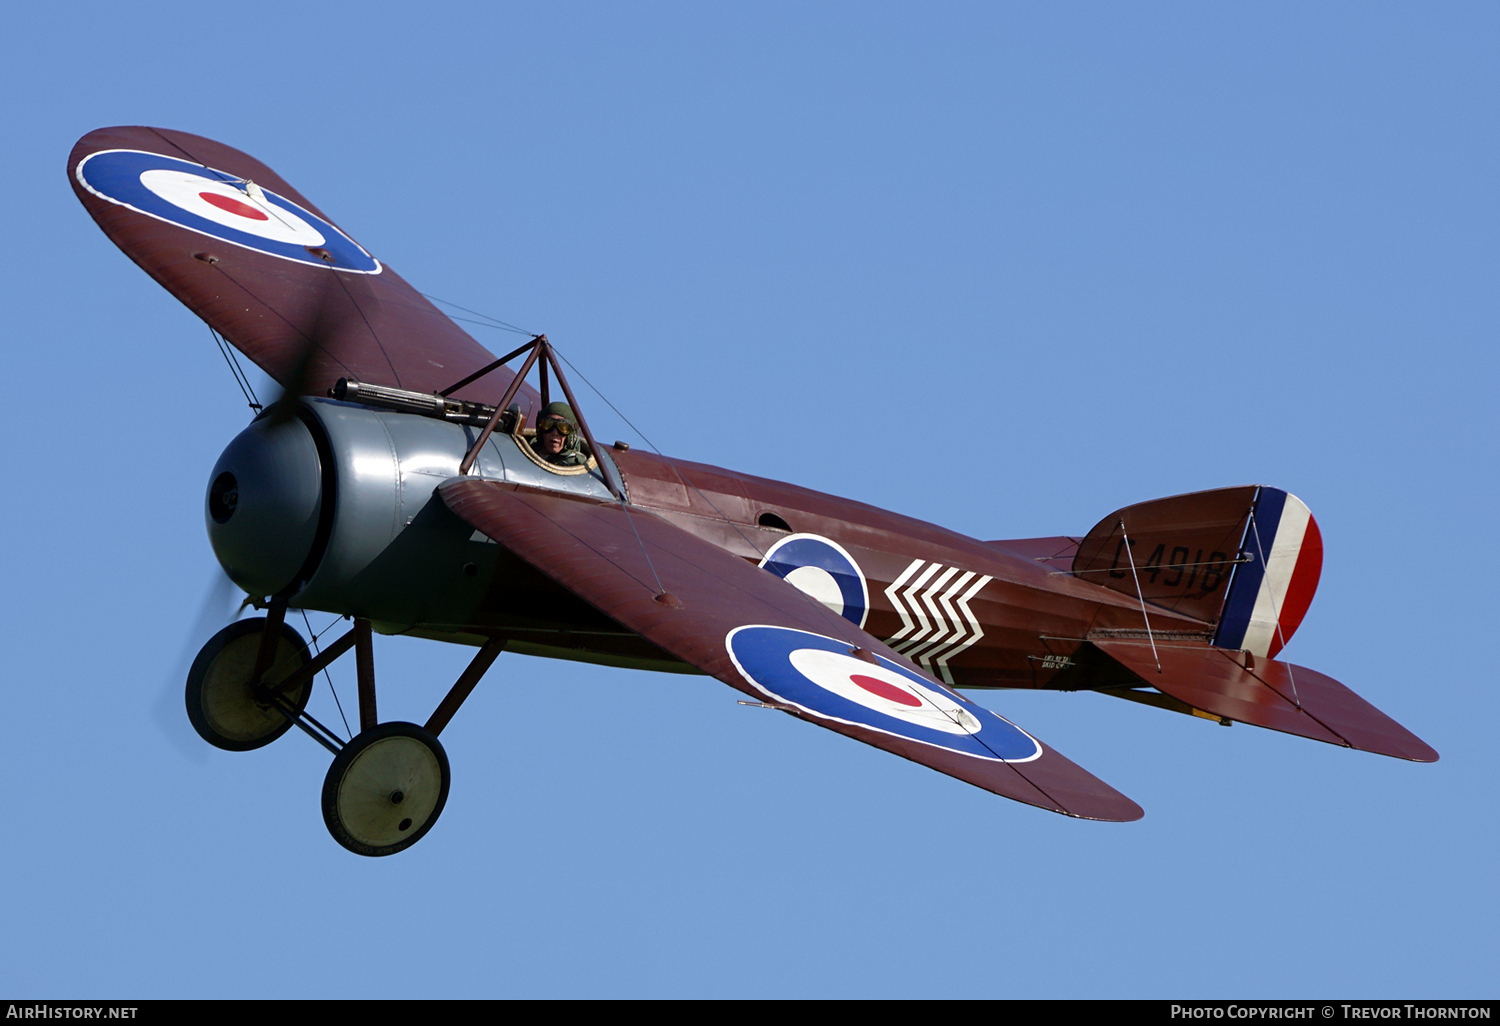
[222, 604]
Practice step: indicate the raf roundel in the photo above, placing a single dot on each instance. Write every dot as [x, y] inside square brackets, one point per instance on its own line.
[221, 206]
[821, 675]
[821, 569]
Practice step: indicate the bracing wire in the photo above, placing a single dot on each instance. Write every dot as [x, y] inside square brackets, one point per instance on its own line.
[489, 322]
[685, 482]
[484, 324]
[1140, 595]
[368, 326]
[495, 322]
[331, 688]
[605, 398]
[660, 589]
[240, 378]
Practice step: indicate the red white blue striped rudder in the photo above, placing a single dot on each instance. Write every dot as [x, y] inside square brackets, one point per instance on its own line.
[1272, 589]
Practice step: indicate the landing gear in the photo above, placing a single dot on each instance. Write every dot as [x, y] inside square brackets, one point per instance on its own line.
[223, 703]
[387, 786]
[385, 789]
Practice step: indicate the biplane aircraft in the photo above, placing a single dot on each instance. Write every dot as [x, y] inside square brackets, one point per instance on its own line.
[399, 482]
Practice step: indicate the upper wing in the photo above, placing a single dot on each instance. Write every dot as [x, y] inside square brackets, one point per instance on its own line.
[250, 255]
[760, 635]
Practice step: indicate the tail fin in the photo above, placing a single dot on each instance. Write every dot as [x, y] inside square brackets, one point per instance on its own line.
[1246, 559]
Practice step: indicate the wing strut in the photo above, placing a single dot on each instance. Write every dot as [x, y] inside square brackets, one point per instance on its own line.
[540, 348]
[496, 365]
[500, 408]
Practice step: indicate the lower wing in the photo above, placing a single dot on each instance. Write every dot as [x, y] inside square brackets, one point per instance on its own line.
[756, 633]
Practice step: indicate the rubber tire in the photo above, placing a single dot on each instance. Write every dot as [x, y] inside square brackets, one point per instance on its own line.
[379, 762]
[215, 703]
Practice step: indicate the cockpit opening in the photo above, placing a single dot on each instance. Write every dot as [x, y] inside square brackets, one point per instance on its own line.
[555, 442]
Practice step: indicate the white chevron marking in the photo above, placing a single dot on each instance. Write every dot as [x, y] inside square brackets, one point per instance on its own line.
[936, 621]
[953, 614]
[891, 593]
[939, 621]
[914, 605]
[946, 614]
[972, 621]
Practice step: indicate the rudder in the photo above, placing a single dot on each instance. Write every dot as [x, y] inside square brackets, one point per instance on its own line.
[1273, 588]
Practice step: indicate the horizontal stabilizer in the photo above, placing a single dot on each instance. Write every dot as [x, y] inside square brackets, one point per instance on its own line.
[1274, 694]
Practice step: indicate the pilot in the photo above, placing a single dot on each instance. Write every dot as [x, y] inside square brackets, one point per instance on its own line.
[558, 440]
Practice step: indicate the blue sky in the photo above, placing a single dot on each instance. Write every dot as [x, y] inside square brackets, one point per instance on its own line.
[1134, 250]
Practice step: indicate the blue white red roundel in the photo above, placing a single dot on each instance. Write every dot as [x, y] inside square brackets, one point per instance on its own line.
[818, 674]
[221, 206]
[822, 569]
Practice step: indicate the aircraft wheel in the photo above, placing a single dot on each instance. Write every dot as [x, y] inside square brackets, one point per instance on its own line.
[385, 789]
[220, 702]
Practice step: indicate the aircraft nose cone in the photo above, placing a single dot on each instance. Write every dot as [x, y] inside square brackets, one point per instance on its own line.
[264, 498]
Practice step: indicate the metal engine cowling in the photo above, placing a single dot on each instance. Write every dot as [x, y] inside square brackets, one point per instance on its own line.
[264, 498]
[336, 509]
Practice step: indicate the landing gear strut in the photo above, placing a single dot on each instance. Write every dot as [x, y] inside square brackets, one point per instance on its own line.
[388, 785]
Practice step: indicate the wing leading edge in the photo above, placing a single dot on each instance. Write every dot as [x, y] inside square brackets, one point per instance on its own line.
[246, 252]
[761, 636]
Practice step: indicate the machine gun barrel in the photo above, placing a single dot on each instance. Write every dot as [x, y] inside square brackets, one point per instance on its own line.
[425, 404]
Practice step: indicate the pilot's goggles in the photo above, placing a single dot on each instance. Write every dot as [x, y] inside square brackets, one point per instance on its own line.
[557, 424]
